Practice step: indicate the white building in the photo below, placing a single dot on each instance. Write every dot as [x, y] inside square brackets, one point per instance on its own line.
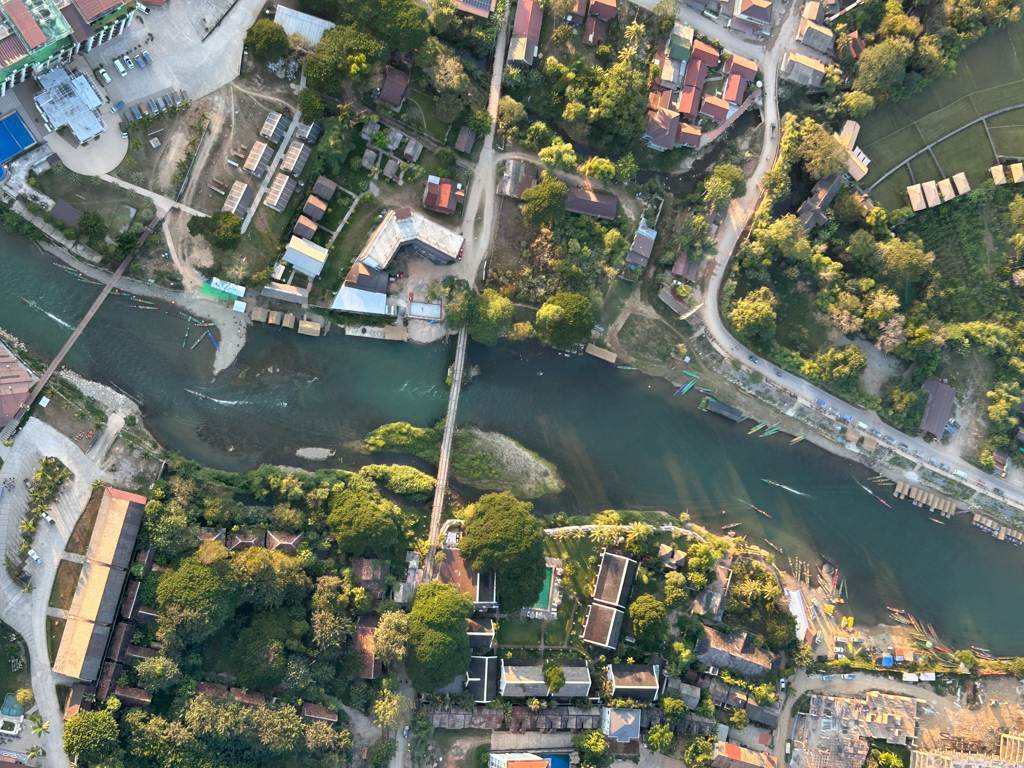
[307, 257]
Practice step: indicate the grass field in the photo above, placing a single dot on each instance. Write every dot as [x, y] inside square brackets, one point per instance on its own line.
[64, 584]
[80, 536]
[989, 77]
[11, 681]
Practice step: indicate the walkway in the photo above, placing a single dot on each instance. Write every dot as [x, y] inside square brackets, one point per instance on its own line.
[983, 119]
[163, 204]
[443, 464]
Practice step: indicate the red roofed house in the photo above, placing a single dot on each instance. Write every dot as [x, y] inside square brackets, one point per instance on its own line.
[317, 712]
[696, 72]
[745, 68]
[249, 699]
[756, 12]
[15, 379]
[662, 127]
[715, 108]
[688, 136]
[442, 195]
[244, 540]
[283, 542]
[525, 41]
[856, 45]
[370, 668]
[578, 12]
[735, 87]
[704, 52]
[212, 689]
[688, 102]
[604, 9]
[396, 88]
[212, 534]
[596, 31]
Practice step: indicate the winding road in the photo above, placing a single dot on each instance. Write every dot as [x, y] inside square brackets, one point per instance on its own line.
[739, 214]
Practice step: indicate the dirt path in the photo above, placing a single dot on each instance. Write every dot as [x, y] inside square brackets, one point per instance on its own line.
[460, 747]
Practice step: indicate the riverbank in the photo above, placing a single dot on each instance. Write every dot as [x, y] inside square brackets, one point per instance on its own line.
[231, 324]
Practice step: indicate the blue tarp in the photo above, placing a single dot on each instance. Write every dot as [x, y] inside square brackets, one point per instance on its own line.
[887, 660]
[848, 417]
[820, 403]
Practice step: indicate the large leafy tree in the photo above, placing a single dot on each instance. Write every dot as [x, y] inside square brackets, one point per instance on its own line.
[91, 737]
[565, 318]
[438, 643]
[362, 521]
[503, 536]
[753, 317]
[823, 155]
[883, 67]
[267, 41]
[725, 184]
[648, 616]
[196, 599]
[343, 53]
[619, 105]
[544, 203]
[401, 24]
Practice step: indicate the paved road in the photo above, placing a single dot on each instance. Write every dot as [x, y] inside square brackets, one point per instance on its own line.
[483, 183]
[739, 213]
[25, 612]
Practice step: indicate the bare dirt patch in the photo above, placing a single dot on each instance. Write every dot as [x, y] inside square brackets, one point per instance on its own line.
[521, 471]
[64, 584]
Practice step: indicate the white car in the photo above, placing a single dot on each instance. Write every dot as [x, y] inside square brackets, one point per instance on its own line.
[48, 519]
[128, 61]
[34, 556]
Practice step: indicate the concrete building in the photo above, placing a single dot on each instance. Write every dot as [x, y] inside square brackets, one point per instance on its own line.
[612, 587]
[837, 731]
[621, 725]
[735, 652]
[36, 36]
[941, 398]
[640, 682]
[295, 158]
[588, 203]
[307, 257]
[396, 88]
[258, 160]
[69, 101]
[519, 176]
[643, 245]
[802, 70]
[275, 127]
[735, 756]
[280, 192]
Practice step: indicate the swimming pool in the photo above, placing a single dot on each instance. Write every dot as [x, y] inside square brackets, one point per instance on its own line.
[543, 602]
[558, 761]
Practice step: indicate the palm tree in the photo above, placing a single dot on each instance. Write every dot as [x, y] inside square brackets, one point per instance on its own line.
[28, 526]
[38, 730]
[34, 751]
[634, 32]
[628, 52]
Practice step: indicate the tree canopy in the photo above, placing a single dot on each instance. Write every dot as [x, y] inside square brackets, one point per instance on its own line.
[267, 41]
[503, 536]
[438, 643]
[565, 318]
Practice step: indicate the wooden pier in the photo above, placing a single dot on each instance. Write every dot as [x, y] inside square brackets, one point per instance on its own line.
[922, 498]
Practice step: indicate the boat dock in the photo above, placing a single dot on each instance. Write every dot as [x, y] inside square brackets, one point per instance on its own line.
[734, 414]
[998, 530]
[922, 498]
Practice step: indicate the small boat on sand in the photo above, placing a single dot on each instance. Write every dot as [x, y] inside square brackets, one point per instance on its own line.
[796, 440]
[694, 375]
[759, 426]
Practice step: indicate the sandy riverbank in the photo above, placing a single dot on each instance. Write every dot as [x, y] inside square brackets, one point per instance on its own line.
[231, 324]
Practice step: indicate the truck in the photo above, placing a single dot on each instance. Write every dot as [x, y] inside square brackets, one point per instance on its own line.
[961, 474]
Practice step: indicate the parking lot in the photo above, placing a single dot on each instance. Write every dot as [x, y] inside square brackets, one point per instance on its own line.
[173, 36]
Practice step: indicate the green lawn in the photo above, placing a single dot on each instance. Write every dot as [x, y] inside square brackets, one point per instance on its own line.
[11, 681]
[989, 77]
[892, 193]
[519, 631]
[925, 169]
[578, 553]
[968, 151]
[64, 584]
[1009, 140]
[554, 631]
[89, 194]
[349, 243]
[614, 300]
[54, 632]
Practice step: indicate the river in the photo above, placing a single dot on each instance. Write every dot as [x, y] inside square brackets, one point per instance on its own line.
[619, 439]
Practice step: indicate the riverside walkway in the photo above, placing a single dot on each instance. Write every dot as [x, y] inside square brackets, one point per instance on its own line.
[12, 425]
[444, 462]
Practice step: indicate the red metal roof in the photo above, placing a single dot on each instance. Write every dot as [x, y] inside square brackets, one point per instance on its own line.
[704, 52]
[11, 50]
[689, 102]
[93, 9]
[26, 25]
[529, 18]
[696, 71]
[604, 9]
[715, 108]
[745, 68]
[734, 88]
[689, 136]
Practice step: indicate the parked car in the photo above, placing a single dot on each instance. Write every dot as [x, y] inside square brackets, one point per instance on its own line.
[147, 57]
[103, 74]
[128, 61]
[34, 556]
[876, 433]
[48, 519]
[120, 68]
[140, 62]
[142, 8]
[116, 107]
